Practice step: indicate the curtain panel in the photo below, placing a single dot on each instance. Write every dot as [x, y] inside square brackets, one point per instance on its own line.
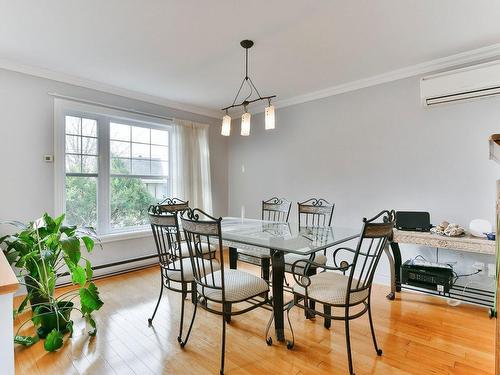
[191, 164]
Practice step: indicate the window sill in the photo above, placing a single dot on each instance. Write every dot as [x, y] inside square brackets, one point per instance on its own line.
[123, 236]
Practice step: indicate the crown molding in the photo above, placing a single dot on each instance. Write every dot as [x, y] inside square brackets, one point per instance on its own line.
[456, 60]
[103, 87]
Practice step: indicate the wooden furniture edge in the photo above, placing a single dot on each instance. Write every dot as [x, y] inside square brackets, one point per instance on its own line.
[8, 280]
[466, 244]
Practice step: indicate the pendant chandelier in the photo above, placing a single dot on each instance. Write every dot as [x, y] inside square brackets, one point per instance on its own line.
[245, 118]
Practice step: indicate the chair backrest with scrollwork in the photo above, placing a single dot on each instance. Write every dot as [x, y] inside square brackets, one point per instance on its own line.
[170, 205]
[374, 236]
[201, 229]
[315, 212]
[166, 234]
[276, 209]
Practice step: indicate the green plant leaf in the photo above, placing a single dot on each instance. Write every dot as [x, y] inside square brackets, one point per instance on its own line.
[36, 316]
[23, 304]
[89, 298]
[49, 222]
[78, 275]
[59, 220]
[89, 243]
[88, 270]
[68, 231]
[52, 240]
[71, 247]
[53, 341]
[26, 340]
[91, 322]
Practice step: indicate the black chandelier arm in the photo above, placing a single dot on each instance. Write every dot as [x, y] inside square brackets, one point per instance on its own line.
[251, 92]
[238, 93]
[247, 102]
[257, 91]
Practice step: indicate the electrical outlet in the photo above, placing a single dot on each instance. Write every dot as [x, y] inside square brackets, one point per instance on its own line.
[479, 266]
[491, 270]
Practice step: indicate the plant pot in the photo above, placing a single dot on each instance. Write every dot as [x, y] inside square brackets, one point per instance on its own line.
[50, 320]
[35, 298]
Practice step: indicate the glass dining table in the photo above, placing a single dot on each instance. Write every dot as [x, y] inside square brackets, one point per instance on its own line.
[280, 239]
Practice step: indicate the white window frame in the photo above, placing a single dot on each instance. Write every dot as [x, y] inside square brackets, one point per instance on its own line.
[103, 115]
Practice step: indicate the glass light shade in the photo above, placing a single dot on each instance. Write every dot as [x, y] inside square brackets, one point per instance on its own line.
[269, 117]
[245, 124]
[226, 126]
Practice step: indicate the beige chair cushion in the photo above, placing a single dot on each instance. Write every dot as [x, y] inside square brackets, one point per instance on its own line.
[330, 288]
[174, 270]
[291, 258]
[239, 286]
[204, 249]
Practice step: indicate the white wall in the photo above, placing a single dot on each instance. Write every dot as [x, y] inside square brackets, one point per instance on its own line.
[26, 134]
[373, 149]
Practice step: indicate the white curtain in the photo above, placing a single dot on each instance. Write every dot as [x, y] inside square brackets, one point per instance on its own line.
[191, 164]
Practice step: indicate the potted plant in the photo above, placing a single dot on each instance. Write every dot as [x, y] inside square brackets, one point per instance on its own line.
[41, 250]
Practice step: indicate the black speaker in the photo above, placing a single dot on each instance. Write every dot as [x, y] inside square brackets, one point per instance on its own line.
[413, 220]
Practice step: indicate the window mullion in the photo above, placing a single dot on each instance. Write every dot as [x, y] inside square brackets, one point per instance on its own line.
[103, 191]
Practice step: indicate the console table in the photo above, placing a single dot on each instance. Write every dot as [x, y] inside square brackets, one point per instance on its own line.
[466, 243]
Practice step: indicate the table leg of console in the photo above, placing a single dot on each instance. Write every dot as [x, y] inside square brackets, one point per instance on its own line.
[395, 265]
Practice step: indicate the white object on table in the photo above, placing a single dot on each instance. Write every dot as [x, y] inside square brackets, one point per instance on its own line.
[478, 227]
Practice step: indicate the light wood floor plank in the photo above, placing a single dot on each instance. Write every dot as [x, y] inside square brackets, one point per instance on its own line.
[418, 334]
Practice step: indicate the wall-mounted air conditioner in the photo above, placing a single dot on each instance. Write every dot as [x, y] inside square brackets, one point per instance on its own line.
[473, 82]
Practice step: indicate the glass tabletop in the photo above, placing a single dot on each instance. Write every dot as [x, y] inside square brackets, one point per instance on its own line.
[284, 236]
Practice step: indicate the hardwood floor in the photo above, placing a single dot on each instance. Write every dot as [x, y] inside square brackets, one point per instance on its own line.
[418, 334]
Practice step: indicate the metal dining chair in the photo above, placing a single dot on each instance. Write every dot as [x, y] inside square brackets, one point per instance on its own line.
[314, 212]
[274, 209]
[348, 288]
[178, 205]
[218, 289]
[175, 268]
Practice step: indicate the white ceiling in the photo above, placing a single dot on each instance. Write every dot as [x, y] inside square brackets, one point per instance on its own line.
[188, 51]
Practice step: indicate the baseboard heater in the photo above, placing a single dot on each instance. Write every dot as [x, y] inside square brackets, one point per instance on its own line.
[115, 264]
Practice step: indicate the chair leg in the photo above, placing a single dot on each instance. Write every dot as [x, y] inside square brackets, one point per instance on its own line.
[309, 313]
[265, 264]
[179, 338]
[269, 339]
[290, 344]
[184, 342]
[150, 320]
[379, 351]
[227, 312]
[194, 294]
[223, 349]
[348, 341]
[327, 310]
[233, 258]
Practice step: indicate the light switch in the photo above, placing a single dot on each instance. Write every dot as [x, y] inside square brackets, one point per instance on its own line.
[48, 158]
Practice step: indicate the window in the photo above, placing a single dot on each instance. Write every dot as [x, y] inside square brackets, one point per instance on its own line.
[139, 172]
[81, 166]
[114, 166]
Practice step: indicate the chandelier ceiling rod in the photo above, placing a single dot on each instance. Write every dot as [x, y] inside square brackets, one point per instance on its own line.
[247, 44]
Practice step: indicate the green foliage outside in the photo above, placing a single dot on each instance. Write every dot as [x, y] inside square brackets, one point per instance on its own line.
[130, 199]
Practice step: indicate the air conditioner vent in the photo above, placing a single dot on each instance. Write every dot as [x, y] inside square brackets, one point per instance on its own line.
[474, 82]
